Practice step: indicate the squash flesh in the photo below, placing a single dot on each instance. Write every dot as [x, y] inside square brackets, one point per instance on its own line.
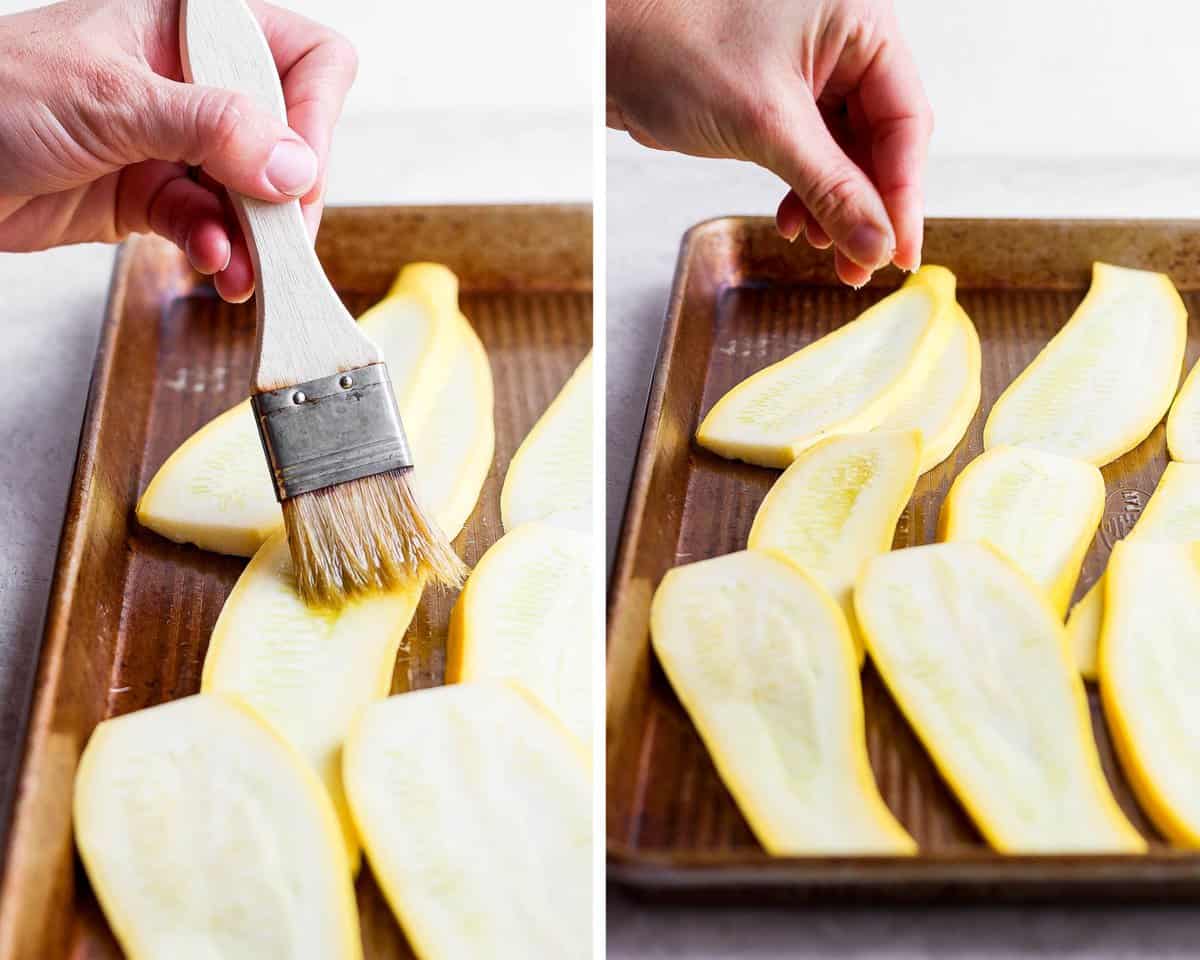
[1172, 515]
[1149, 671]
[976, 659]
[838, 505]
[846, 382]
[215, 490]
[762, 660]
[941, 405]
[1039, 510]
[525, 614]
[474, 806]
[204, 835]
[551, 472]
[1183, 422]
[1106, 379]
[306, 671]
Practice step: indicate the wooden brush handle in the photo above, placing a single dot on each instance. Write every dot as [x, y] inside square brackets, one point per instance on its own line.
[304, 332]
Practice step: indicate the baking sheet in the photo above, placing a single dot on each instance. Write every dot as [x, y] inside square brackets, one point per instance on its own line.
[743, 298]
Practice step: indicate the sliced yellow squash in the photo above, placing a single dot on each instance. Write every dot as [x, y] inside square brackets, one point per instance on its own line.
[1183, 422]
[1149, 672]
[976, 659]
[415, 327]
[551, 472]
[215, 490]
[837, 505]
[205, 835]
[941, 405]
[525, 614]
[1038, 509]
[848, 381]
[1171, 516]
[475, 809]
[1106, 378]
[762, 660]
[454, 446]
[307, 672]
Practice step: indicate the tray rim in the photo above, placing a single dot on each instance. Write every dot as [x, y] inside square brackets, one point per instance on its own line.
[67, 559]
[72, 542]
[726, 878]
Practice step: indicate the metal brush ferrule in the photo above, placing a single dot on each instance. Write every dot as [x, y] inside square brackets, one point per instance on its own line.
[331, 430]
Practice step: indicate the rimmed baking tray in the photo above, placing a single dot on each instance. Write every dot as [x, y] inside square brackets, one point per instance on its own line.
[742, 299]
[130, 613]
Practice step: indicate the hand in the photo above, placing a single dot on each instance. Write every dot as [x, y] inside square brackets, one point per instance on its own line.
[97, 131]
[822, 92]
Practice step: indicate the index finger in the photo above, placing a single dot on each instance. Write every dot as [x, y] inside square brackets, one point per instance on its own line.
[901, 123]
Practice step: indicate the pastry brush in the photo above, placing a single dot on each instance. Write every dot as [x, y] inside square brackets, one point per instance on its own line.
[322, 398]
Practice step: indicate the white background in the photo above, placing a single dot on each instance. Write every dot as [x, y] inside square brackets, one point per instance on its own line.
[1059, 77]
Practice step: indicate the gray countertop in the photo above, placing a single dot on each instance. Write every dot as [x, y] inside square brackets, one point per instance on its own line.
[652, 199]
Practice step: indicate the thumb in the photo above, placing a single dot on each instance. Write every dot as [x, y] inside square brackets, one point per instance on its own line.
[237, 144]
[833, 188]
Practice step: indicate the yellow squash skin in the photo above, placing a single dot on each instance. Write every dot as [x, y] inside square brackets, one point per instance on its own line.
[1107, 377]
[551, 472]
[1149, 664]
[475, 809]
[1183, 422]
[762, 660]
[848, 381]
[976, 659]
[837, 505]
[215, 491]
[1039, 510]
[307, 672]
[942, 404]
[1171, 516]
[205, 835]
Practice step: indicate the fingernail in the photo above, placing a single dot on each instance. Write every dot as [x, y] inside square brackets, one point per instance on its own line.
[292, 168]
[868, 246]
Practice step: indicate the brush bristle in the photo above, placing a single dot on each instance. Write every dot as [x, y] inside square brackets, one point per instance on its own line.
[365, 535]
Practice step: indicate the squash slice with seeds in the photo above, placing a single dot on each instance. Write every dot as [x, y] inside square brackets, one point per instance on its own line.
[848, 381]
[941, 405]
[762, 661]
[976, 659]
[475, 809]
[307, 672]
[1149, 668]
[838, 505]
[215, 490]
[1106, 379]
[205, 835]
[551, 472]
[1183, 422]
[525, 614]
[1172, 515]
[1039, 510]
